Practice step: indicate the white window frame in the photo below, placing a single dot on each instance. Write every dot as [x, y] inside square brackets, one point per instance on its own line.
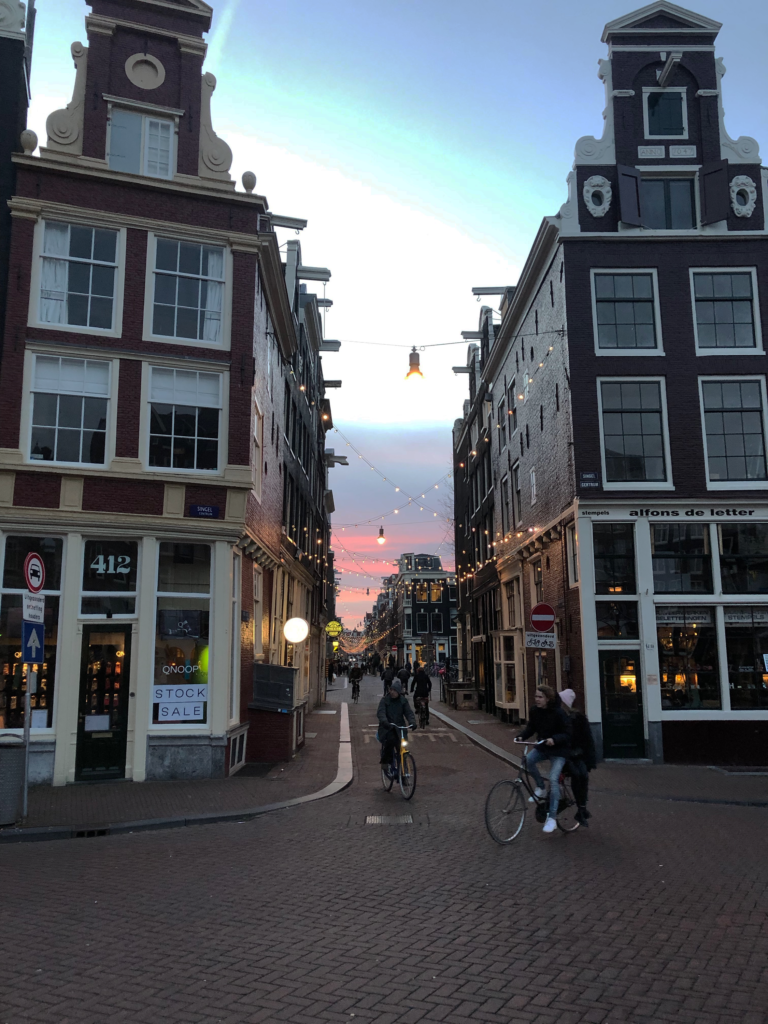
[257, 470]
[149, 291]
[623, 352]
[136, 594]
[147, 112]
[234, 639]
[32, 351]
[170, 364]
[33, 312]
[636, 485]
[733, 485]
[758, 349]
[572, 553]
[258, 612]
[647, 90]
[533, 487]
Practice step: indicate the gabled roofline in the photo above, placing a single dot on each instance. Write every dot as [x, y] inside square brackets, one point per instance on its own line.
[628, 23]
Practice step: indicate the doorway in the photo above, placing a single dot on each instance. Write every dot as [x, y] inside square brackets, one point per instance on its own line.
[102, 727]
[621, 694]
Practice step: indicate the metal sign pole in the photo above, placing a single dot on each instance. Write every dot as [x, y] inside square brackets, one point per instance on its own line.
[31, 688]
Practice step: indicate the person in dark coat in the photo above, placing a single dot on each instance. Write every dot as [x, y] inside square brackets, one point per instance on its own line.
[404, 675]
[421, 688]
[551, 724]
[394, 709]
[583, 759]
[387, 675]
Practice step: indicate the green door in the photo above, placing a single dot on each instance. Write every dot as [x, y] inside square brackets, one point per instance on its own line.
[102, 726]
[622, 704]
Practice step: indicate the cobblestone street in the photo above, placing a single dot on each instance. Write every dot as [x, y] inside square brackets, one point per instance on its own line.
[656, 913]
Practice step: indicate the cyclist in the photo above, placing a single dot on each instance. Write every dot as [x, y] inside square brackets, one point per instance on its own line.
[421, 689]
[582, 759]
[355, 675]
[394, 709]
[552, 725]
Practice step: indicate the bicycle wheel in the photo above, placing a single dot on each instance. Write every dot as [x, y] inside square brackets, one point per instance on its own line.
[408, 776]
[387, 781]
[505, 811]
[567, 809]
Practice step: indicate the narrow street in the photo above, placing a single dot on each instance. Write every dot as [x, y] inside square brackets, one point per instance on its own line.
[311, 915]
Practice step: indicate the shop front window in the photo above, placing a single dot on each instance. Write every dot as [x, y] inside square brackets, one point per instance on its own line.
[746, 644]
[109, 577]
[617, 620]
[681, 559]
[690, 678]
[614, 558]
[744, 558]
[13, 677]
[180, 690]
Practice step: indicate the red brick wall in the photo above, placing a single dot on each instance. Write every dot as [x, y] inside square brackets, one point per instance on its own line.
[128, 409]
[37, 490]
[196, 494]
[107, 494]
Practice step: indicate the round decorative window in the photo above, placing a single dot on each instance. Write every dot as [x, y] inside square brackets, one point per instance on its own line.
[597, 195]
[145, 71]
[743, 195]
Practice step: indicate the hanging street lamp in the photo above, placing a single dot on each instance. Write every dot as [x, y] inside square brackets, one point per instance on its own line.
[381, 539]
[413, 361]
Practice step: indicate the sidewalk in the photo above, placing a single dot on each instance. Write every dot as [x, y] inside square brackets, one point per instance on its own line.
[658, 781]
[93, 807]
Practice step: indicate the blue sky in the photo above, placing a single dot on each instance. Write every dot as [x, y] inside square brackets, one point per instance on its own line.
[424, 142]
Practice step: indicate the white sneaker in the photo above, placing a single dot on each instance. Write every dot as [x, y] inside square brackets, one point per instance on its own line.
[540, 793]
[550, 825]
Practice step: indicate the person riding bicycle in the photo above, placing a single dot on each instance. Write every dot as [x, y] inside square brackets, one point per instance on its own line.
[582, 759]
[394, 709]
[551, 724]
[421, 689]
[355, 675]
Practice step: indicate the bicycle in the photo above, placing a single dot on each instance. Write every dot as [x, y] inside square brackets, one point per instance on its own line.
[355, 691]
[506, 805]
[403, 767]
[422, 706]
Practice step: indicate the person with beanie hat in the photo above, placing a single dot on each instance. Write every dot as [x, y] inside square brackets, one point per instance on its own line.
[394, 709]
[582, 758]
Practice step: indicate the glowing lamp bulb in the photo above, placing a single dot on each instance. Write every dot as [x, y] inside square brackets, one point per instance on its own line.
[414, 372]
[381, 539]
[296, 630]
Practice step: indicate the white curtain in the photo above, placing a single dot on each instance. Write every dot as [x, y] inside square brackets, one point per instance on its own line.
[214, 295]
[53, 282]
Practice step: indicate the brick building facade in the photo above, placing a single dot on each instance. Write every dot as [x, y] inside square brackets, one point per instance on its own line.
[617, 423]
[151, 336]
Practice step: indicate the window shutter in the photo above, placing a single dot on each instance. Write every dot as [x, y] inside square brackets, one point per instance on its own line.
[629, 195]
[713, 191]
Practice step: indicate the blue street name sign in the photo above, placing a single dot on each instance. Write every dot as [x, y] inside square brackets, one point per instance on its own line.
[204, 511]
[32, 642]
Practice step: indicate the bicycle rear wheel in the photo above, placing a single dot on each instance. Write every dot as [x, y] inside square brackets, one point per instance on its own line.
[505, 811]
[567, 809]
[408, 776]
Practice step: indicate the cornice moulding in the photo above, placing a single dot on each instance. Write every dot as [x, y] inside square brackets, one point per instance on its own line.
[101, 25]
[143, 105]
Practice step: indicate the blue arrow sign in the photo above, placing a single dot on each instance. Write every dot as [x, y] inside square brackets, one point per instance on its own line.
[32, 641]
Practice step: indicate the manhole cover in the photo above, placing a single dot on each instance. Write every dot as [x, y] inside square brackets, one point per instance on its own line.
[389, 819]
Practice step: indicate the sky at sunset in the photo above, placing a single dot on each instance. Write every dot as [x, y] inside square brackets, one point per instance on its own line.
[423, 142]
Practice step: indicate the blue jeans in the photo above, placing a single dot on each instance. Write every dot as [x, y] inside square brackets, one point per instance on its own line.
[532, 759]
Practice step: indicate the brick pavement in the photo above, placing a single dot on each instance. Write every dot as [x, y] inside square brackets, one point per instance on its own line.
[95, 804]
[655, 915]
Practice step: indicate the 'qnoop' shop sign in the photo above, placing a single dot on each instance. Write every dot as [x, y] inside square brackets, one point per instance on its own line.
[180, 702]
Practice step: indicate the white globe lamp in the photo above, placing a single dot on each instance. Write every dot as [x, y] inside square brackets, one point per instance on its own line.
[296, 630]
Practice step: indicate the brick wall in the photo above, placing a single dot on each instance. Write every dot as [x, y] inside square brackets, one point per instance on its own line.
[109, 494]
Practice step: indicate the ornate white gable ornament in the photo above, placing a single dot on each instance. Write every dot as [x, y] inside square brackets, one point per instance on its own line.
[215, 155]
[597, 193]
[12, 19]
[65, 127]
[743, 195]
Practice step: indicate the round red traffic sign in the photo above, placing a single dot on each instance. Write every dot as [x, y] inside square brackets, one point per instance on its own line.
[542, 617]
[34, 572]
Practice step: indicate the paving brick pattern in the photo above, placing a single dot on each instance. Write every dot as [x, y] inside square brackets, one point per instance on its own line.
[655, 915]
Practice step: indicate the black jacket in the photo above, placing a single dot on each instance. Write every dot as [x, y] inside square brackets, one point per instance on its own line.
[422, 684]
[553, 723]
[395, 712]
[582, 741]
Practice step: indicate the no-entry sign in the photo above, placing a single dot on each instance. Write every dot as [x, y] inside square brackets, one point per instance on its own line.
[34, 572]
[542, 617]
